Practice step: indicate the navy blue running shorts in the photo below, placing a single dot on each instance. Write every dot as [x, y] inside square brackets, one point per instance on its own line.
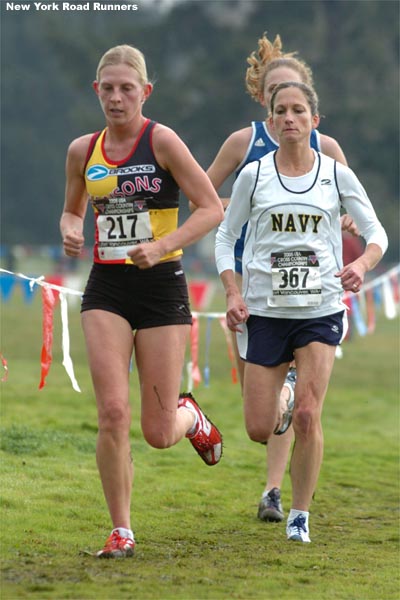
[144, 297]
[270, 342]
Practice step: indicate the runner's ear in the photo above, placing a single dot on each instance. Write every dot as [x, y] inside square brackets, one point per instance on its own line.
[315, 121]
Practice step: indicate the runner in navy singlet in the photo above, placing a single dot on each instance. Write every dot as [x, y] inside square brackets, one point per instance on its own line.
[269, 67]
[290, 303]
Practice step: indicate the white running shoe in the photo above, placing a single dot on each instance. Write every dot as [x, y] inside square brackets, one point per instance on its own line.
[297, 529]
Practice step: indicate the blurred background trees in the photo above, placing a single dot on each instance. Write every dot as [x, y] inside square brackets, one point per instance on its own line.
[196, 54]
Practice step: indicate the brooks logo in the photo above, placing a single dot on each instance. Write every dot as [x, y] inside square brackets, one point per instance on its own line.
[97, 172]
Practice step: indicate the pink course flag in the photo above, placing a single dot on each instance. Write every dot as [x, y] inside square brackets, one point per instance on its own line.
[194, 344]
[5, 367]
[48, 303]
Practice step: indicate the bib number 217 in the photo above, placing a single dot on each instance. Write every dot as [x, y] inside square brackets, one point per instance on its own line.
[119, 226]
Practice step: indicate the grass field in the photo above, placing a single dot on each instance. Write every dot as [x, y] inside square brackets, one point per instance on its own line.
[196, 527]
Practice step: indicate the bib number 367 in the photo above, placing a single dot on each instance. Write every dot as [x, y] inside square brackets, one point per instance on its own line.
[296, 279]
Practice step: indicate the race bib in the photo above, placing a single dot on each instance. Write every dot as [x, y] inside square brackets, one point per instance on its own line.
[296, 279]
[121, 224]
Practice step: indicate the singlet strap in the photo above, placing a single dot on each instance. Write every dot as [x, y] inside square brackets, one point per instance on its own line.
[336, 181]
[92, 143]
[256, 181]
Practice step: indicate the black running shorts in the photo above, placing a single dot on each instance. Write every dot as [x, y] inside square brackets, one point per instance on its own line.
[144, 297]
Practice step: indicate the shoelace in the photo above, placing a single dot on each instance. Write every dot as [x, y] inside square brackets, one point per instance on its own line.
[202, 441]
[274, 500]
[300, 523]
[291, 377]
[115, 542]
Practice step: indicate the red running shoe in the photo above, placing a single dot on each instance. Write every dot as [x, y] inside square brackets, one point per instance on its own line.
[117, 547]
[206, 440]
